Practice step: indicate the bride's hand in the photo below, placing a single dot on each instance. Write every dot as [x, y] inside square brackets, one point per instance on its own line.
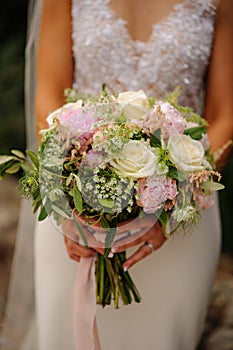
[74, 244]
[152, 240]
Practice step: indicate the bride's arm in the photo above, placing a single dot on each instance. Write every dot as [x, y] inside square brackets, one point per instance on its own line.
[54, 69]
[219, 94]
[54, 73]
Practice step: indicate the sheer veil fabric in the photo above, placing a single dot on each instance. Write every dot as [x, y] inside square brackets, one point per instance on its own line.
[19, 330]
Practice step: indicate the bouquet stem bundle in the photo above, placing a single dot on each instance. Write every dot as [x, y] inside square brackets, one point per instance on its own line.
[113, 283]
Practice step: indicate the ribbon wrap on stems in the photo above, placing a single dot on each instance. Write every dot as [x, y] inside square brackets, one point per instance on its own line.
[86, 334]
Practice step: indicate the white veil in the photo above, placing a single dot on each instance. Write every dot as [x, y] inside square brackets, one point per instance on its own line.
[19, 330]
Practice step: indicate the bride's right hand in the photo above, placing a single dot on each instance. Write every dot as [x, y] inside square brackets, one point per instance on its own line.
[73, 242]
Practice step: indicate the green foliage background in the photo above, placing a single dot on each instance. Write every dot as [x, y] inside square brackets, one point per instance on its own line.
[13, 21]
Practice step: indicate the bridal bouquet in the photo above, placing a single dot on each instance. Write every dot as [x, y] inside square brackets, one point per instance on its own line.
[109, 163]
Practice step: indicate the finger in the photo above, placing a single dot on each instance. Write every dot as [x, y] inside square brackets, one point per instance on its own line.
[75, 257]
[127, 243]
[144, 250]
[75, 250]
[140, 254]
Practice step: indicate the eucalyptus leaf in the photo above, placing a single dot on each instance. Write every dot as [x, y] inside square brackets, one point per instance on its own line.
[212, 186]
[78, 201]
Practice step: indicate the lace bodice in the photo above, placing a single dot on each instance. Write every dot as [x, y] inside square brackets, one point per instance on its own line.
[176, 53]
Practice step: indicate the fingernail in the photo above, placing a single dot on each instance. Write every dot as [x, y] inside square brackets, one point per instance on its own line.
[125, 268]
[114, 249]
[110, 255]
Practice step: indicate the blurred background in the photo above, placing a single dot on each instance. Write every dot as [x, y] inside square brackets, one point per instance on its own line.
[12, 135]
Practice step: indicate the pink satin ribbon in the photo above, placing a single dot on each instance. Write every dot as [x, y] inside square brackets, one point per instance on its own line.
[86, 334]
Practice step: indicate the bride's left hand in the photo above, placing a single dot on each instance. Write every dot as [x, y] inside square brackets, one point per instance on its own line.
[152, 240]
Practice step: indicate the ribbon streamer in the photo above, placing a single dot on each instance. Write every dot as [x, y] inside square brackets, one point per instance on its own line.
[86, 334]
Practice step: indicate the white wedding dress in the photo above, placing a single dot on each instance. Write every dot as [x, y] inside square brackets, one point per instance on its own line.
[176, 280]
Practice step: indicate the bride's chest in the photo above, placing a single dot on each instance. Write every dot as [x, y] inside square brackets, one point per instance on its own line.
[189, 25]
[177, 48]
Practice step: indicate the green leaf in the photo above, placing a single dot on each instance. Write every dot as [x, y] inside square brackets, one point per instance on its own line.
[111, 228]
[13, 169]
[212, 186]
[163, 218]
[78, 201]
[196, 132]
[43, 214]
[155, 139]
[36, 206]
[5, 159]
[107, 203]
[26, 166]
[60, 211]
[18, 154]
[34, 158]
[174, 173]
[104, 222]
[82, 234]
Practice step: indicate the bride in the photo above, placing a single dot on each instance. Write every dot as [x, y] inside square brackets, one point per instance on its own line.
[130, 45]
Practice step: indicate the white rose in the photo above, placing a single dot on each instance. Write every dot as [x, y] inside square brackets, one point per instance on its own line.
[134, 104]
[57, 112]
[187, 154]
[136, 160]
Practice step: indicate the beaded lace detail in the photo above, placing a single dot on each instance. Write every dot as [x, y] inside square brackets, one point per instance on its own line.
[176, 53]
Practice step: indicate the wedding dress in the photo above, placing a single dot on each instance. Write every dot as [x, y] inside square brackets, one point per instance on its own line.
[175, 281]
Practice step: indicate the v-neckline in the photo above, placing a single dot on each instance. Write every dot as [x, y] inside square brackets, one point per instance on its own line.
[123, 22]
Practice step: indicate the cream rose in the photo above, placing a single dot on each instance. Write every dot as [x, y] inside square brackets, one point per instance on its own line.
[136, 160]
[134, 104]
[187, 154]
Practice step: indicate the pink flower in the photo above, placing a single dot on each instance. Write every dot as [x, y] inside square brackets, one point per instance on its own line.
[77, 121]
[203, 200]
[154, 191]
[167, 118]
[93, 159]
